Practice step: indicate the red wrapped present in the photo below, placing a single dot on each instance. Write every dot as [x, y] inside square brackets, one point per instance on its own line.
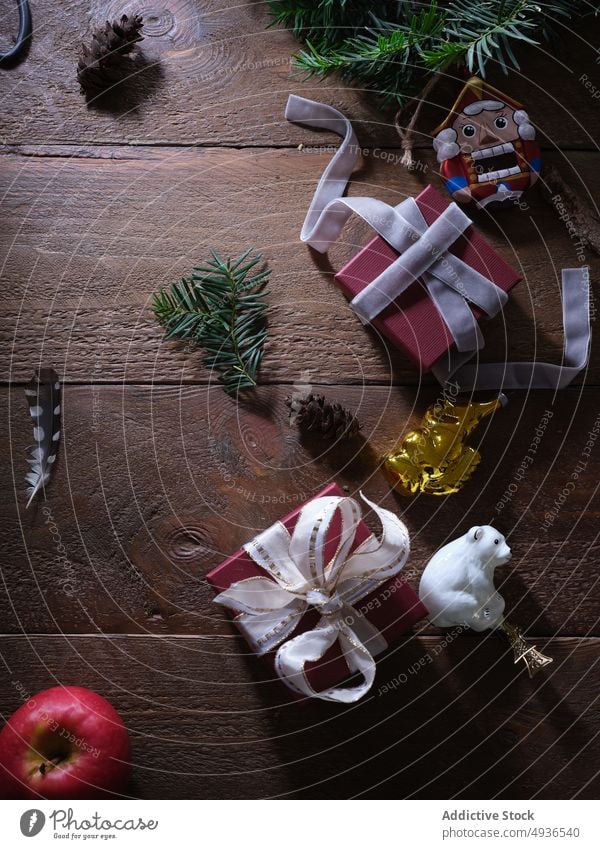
[344, 609]
[412, 321]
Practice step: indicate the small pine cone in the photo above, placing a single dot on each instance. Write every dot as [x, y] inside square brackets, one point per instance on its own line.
[315, 413]
[105, 60]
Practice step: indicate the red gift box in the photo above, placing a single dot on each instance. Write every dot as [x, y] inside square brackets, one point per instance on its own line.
[393, 607]
[413, 322]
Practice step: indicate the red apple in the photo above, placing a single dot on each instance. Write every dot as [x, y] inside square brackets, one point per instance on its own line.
[64, 743]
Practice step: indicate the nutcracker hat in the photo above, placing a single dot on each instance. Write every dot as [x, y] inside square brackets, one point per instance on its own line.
[474, 91]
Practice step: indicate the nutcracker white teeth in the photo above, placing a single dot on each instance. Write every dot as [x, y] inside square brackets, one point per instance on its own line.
[493, 151]
[486, 147]
[498, 175]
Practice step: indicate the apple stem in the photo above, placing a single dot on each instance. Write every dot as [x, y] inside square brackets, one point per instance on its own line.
[46, 765]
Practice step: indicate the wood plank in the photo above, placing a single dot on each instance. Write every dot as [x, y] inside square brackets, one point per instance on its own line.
[444, 720]
[219, 75]
[88, 237]
[154, 486]
[103, 584]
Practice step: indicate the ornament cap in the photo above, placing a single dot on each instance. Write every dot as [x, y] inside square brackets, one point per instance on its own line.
[533, 659]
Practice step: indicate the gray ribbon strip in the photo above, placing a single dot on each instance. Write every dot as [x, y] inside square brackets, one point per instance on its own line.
[577, 335]
[450, 282]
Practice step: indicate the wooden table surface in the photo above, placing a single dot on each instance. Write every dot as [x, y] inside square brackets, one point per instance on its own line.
[161, 475]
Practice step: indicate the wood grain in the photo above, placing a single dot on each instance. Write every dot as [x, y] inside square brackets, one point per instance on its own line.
[89, 235]
[444, 720]
[215, 74]
[160, 475]
[157, 485]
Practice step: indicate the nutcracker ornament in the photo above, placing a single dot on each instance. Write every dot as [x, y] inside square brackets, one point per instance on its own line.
[457, 588]
[486, 147]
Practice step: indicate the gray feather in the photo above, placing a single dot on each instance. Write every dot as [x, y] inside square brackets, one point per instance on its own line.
[43, 396]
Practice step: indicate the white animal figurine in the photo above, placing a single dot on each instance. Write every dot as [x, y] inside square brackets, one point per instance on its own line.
[457, 586]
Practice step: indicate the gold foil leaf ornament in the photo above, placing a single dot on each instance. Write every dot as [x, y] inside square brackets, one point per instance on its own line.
[435, 458]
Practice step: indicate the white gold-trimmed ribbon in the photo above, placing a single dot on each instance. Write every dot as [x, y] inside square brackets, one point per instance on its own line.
[450, 282]
[270, 608]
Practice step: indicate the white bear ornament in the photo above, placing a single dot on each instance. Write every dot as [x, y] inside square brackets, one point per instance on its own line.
[457, 586]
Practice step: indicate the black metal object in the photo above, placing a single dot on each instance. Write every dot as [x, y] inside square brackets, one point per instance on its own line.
[23, 34]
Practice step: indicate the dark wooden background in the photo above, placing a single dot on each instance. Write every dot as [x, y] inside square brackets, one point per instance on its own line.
[161, 475]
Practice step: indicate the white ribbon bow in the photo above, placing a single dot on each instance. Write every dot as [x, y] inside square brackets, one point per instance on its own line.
[270, 608]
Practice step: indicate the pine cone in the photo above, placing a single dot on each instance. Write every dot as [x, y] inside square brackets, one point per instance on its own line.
[106, 60]
[315, 413]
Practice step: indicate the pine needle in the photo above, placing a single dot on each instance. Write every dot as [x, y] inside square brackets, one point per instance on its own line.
[393, 47]
[221, 308]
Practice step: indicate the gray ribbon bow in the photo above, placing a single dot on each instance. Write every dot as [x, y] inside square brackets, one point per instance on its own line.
[450, 282]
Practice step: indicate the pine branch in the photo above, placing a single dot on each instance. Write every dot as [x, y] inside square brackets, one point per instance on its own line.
[221, 308]
[392, 47]
[326, 21]
[383, 55]
[476, 34]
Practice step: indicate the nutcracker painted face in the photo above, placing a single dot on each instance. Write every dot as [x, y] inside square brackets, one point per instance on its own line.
[486, 147]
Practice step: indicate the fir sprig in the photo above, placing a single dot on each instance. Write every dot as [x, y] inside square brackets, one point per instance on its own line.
[476, 33]
[392, 47]
[221, 308]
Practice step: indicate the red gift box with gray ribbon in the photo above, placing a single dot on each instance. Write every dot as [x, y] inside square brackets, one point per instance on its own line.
[429, 276]
[412, 320]
[319, 596]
